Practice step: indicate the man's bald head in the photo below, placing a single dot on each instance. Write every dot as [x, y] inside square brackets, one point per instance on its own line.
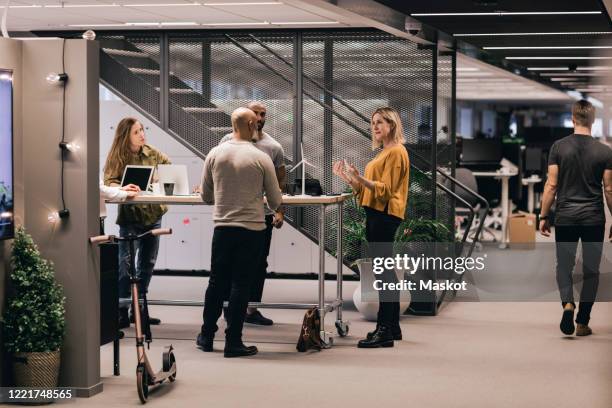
[244, 123]
[260, 111]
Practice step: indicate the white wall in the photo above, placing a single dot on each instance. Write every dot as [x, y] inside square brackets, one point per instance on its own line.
[189, 246]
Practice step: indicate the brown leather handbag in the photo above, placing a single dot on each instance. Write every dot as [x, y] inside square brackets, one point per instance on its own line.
[310, 336]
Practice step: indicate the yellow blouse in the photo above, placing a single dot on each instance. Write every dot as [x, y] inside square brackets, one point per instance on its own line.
[389, 171]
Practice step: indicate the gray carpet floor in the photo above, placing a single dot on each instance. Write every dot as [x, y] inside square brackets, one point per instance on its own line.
[470, 355]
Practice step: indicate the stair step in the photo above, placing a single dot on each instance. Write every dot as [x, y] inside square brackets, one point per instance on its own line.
[195, 109]
[179, 91]
[144, 71]
[125, 53]
[222, 129]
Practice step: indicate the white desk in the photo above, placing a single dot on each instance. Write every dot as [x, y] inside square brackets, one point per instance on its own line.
[503, 175]
[530, 182]
[323, 202]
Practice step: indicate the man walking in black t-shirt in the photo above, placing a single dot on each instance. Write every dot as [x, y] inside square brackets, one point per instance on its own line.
[577, 165]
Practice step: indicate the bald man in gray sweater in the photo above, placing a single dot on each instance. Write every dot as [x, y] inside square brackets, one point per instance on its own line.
[236, 175]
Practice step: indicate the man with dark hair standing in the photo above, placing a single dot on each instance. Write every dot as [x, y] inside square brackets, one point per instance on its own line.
[235, 177]
[274, 150]
[577, 166]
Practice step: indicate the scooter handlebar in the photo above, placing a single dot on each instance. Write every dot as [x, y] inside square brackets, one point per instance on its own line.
[101, 239]
[161, 231]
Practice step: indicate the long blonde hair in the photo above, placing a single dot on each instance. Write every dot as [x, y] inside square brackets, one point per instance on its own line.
[390, 116]
[119, 154]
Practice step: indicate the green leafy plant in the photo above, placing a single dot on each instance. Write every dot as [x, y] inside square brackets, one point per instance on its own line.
[423, 230]
[34, 318]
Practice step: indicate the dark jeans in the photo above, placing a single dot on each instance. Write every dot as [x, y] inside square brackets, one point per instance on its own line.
[234, 249]
[381, 228]
[566, 238]
[260, 271]
[146, 255]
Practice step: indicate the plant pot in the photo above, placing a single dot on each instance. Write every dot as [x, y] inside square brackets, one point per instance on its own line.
[369, 307]
[37, 370]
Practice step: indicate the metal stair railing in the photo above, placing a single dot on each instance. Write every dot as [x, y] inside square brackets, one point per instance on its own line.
[454, 182]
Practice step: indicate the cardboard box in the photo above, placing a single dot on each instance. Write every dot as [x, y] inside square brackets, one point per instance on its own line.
[522, 230]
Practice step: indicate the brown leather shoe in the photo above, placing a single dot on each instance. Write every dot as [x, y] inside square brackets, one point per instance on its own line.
[583, 330]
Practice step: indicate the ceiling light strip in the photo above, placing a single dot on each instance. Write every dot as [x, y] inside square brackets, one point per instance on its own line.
[589, 47]
[507, 13]
[246, 3]
[558, 58]
[527, 34]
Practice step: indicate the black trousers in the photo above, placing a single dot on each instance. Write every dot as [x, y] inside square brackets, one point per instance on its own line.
[234, 249]
[566, 238]
[381, 228]
[260, 271]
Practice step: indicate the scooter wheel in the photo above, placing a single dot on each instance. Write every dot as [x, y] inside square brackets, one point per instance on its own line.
[142, 383]
[172, 361]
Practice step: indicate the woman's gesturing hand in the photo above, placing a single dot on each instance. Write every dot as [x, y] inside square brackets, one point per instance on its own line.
[338, 170]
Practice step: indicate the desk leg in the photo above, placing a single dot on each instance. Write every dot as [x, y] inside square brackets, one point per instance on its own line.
[530, 201]
[324, 337]
[342, 327]
[505, 205]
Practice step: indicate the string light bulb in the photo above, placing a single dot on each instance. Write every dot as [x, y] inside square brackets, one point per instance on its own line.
[53, 78]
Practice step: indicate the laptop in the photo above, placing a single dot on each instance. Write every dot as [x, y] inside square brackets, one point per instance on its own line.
[175, 174]
[139, 175]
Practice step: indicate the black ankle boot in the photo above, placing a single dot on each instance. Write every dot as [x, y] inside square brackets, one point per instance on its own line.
[238, 349]
[205, 343]
[382, 337]
[395, 331]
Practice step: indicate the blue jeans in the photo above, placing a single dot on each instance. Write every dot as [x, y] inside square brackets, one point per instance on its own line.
[146, 255]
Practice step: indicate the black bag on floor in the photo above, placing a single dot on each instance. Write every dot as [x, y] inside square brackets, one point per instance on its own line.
[310, 337]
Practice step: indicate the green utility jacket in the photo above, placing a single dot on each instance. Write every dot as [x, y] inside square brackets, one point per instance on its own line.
[143, 214]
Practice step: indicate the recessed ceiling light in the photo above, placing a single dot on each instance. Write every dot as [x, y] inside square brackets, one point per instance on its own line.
[507, 13]
[303, 22]
[246, 3]
[521, 34]
[467, 69]
[589, 47]
[80, 5]
[235, 24]
[595, 68]
[558, 58]
[163, 5]
[547, 69]
[571, 74]
[96, 25]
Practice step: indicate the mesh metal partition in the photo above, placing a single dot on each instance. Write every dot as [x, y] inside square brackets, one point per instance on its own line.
[364, 70]
[130, 65]
[219, 76]
[333, 80]
[445, 210]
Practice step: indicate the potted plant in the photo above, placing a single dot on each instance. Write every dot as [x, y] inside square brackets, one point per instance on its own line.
[34, 317]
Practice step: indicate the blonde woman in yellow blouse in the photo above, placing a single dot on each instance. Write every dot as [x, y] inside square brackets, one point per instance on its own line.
[383, 193]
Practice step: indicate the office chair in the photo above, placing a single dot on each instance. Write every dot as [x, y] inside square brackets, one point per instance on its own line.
[467, 178]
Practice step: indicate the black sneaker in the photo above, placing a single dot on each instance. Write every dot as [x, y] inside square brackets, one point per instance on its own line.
[257, 318]
[567, 321]
[204, 343]
[239, 350]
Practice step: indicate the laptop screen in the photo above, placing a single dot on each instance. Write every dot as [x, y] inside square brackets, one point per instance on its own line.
[140, 175]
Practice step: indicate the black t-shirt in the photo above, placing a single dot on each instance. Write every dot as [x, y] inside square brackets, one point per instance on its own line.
[582, 161]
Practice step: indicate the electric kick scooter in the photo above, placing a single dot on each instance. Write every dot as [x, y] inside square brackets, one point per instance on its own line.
[145, 376]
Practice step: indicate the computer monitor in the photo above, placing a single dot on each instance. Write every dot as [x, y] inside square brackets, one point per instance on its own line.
[481, 151]
[176, 174]
[7, 205]
[533, 160]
